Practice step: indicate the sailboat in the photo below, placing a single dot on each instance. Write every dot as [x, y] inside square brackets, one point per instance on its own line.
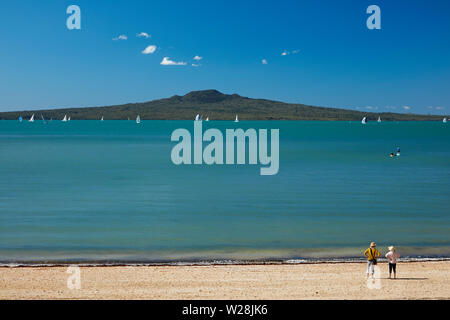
[364, 120]
[101, 119]
[237, 119]
[207, 119]
[197, 117]
[379, 119]
[32, 118]
[64, 119]
[68, 119]
[444, 120]
[43, 120]
[138, 119]
[20, 119]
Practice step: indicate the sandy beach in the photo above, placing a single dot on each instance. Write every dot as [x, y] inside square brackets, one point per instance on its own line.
[416, 280]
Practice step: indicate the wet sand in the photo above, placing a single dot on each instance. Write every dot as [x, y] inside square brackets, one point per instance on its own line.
[416, 280]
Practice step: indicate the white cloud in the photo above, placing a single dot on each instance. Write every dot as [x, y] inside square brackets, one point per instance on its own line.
[406, 107]
[143, 35]
[196, 65]
[285, 53]
[121, 37]
[149, 49]
[167, 62]
[198, 58]
[369, 107]
[440, 108]
[264, 61]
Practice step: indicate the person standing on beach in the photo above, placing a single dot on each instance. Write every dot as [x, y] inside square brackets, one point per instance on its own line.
[371, 254]
[392, 257]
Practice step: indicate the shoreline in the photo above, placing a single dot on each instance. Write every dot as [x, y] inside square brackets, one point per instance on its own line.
[338, 280]
[212, 262]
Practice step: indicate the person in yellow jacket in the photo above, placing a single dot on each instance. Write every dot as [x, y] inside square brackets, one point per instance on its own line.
[371, 254]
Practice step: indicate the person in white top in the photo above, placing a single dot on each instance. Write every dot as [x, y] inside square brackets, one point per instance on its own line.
[392, 257]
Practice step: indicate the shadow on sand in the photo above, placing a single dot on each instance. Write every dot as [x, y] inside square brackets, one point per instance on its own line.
[406, 278]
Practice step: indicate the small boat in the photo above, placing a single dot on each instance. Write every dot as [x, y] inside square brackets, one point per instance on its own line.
[20, 119]
[64, 119]
[207, 119]
[364, 120]
[138, 119]
[31, 119]
[398, 152]
[197, 118]
[379, 119]
[101, 119]
[43, 120]
[237, 119]
[68, 119]
[444, 120]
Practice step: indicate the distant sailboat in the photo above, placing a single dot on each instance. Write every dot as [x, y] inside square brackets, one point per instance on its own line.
[101, 119]
[444, 120]
[64, 119]
[68, 119]
[43, 119]
[237, 119]
[379, 119]
[20, 119]
[31, 119]
[138, 119]
[364, 120]
[207, 119]
[197, 117]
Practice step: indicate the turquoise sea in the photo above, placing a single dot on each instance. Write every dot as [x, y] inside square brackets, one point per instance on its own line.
[107, 192]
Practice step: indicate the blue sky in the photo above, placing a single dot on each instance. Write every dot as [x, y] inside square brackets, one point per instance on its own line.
[333, 60]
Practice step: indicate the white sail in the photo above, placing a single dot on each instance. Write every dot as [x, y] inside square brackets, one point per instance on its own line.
[197, 117]
[379, 119]
[138, 119]
[68, 119]
[31, 119]
[444, 120]
[237, 119]
[101, 119]
[364, 120]
[207, 118]
[64, 119]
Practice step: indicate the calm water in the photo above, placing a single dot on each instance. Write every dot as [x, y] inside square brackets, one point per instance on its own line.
[108, 191]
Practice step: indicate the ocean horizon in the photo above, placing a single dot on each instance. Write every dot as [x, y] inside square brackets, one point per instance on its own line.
[107, 192]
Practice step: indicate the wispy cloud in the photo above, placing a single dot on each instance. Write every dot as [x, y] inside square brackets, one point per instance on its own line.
[196, 65]
[167, 62]
[264, 61]
[121, 37]
[198, 58]
[406, 107]
[437, 108]
[143, 35]
[149, 50]
[285, 53]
